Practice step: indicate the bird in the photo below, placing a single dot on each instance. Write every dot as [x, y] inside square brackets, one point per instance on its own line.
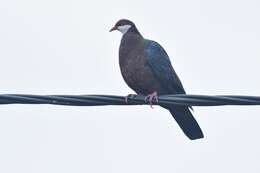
[147, 69]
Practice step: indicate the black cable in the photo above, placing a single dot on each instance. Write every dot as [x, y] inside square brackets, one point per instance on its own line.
[101, 100]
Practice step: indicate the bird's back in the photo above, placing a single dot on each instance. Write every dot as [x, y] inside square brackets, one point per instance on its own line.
[162, 69]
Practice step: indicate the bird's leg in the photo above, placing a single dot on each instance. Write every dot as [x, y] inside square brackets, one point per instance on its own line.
[151, 97]
[129, 96]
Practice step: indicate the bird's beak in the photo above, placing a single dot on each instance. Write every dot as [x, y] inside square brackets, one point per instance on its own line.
[112, 29]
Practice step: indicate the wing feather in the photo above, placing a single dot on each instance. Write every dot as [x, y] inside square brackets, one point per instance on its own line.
[160, 64]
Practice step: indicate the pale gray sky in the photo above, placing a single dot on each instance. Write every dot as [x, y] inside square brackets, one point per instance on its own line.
[64, 47]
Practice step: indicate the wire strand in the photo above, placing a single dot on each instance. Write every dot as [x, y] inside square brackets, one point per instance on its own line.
[103, 100]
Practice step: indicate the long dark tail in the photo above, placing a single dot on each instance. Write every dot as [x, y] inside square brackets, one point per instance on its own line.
[186, 121]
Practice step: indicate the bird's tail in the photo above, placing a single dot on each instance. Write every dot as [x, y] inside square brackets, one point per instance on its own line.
[186, 121]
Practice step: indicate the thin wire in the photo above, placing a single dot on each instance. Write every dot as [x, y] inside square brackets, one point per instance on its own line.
[102, 100]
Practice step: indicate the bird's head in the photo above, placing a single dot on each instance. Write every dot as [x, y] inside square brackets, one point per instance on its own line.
[124, 26]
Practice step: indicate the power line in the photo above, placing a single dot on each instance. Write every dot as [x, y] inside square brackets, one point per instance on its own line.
[102, 100]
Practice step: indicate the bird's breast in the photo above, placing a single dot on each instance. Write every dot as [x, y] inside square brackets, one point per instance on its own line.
[136, 71]
[131, 65]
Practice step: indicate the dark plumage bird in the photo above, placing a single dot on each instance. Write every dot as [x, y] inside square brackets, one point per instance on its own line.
[146, 68]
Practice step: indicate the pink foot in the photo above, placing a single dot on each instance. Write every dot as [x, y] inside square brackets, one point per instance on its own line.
[129, 96]
[151, 97]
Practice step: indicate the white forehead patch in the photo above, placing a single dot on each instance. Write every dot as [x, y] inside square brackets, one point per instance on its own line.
[124, 28]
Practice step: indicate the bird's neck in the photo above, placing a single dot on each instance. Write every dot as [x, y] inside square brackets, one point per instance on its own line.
[133, 30]
[132, 36]
[131, 40]
[130, 46]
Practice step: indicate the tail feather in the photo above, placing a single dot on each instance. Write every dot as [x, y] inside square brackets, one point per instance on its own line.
[186, 121]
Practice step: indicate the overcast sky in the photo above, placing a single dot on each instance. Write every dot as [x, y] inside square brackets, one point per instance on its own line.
[64, 47]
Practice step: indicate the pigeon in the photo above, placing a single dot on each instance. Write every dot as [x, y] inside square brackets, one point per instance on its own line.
[147, 69]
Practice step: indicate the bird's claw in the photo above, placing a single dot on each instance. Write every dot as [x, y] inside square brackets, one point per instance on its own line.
[129, 96]
[151, 98]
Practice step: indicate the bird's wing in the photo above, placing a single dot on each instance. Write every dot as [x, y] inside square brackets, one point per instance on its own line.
[160, 64]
